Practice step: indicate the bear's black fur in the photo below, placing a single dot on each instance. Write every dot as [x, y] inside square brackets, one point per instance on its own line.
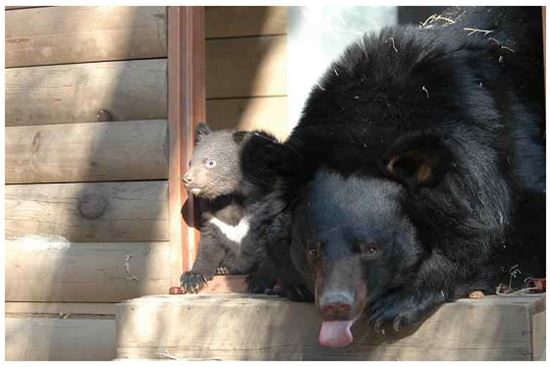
[214, 175]
[415, 170]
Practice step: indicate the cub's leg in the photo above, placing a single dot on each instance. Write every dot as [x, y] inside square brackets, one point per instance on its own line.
[210, 257]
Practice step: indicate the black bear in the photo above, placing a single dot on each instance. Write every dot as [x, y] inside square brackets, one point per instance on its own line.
[215, 175]
[416, 170]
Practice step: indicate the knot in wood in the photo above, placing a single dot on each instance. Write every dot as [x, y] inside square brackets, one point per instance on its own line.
[92, 206]
[104, 115]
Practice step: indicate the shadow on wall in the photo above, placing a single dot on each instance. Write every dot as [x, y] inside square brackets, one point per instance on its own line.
[86, 241]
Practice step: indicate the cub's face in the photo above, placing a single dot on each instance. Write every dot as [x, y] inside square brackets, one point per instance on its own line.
[214, 169]
[351, 239]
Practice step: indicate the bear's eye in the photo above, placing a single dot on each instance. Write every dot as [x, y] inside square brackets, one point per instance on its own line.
[369, 249]
[313, 253]
[210, 163]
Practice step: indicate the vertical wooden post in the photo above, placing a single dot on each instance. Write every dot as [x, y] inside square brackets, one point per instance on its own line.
[186, 108]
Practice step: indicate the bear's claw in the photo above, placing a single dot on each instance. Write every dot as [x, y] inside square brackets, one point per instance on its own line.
[193, 282]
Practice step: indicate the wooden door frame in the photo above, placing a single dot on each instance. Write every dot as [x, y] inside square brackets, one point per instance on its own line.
[186, 108]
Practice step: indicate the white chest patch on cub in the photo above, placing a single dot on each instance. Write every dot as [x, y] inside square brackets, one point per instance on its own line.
[233, 233]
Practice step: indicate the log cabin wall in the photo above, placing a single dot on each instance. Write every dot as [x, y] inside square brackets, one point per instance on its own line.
[86, 199]
[246, 68]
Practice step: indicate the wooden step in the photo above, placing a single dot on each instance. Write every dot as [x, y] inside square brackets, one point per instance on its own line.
[62, 337]
[254, 327]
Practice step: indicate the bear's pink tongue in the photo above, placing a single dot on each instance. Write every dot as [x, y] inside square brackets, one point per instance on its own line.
[336, 333]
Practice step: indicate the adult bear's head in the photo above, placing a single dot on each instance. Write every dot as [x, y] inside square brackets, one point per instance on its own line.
[352, 238]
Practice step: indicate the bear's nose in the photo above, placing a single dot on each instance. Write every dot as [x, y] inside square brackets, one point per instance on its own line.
[335, 306]
[187, 179]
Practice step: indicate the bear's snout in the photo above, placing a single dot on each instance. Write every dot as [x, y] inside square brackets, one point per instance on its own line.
[335, 306]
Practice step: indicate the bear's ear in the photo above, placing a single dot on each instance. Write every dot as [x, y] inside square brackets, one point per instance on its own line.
[418, 159]
[202, 130]
[262, 155]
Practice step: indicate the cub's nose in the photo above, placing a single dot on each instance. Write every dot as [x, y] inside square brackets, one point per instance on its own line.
[187, 179]
[335, 306]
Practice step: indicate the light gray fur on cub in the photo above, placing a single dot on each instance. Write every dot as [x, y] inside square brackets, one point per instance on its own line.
[215, 175]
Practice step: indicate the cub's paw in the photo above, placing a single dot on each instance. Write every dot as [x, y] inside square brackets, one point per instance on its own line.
[192, 282]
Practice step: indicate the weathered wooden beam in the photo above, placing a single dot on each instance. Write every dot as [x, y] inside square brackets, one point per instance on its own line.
[79, 34]
[99, 212]
[239, 21]
[62, 309]
[186, 108]
[42, 269]
[49, 339]
[265, 113]
[101, 151]
[246, 67]
[238, 327]
[130, 90]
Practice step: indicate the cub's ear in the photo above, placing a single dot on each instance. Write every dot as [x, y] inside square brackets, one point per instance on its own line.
[418, 159]
[202, 130]
[239, 136]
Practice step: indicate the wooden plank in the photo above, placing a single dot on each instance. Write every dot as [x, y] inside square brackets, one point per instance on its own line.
[539, 336]
[23, 7]
[77, 34]
[101, 151]
[43, 339]
[186, 68]
[238, 21]
[267, 113]
[270, 328]
[246, 67]
[130, 90]
[99, 212]
[42, 269]
[63, 309]
[226, 283]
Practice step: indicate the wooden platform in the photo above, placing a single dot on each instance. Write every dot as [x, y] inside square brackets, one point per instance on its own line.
[250, 327]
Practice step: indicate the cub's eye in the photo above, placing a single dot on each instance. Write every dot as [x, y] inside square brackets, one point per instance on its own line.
[210, 163]
[369, 250]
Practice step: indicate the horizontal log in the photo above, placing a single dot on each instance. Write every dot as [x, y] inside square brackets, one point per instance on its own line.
[267, 113]
[246, 67]
[238, 21]
[129, 90]
[238, 327]
[62, 309]
[101, 151]
[46, 269]
[78, 34]
[47, 339]
[82, 212]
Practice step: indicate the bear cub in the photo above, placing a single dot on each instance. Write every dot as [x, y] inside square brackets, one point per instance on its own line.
[215, 175]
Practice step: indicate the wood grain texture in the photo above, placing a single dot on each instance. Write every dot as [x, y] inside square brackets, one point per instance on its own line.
[266, 113]
[101, 151]
[78, 34]
[186, 69]
[129, 211]
[61, 309]
[46, 339]
[23, 7]
[130, 90]
[238, 21]
[41, 269]
[238, 327]
[245, 67]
